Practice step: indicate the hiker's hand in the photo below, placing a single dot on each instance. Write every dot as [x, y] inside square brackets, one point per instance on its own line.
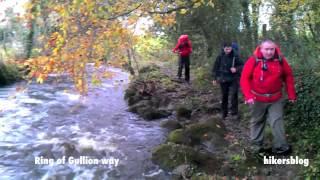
[249, 101]
[214, 82]
[292, 101]
[233, 70]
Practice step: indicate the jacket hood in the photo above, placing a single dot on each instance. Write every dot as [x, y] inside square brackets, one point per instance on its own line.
[259, 55]
[183, 38]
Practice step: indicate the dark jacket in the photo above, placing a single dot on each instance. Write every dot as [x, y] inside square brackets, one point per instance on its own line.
[221, 68]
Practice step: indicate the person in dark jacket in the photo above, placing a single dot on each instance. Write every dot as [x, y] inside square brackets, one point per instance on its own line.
[226, 71]
[184, 48]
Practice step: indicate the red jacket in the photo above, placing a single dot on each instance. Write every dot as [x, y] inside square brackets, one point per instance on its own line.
[256, 83]
[183, 46]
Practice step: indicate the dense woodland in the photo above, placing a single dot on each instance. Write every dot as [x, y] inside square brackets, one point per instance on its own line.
[58, 36]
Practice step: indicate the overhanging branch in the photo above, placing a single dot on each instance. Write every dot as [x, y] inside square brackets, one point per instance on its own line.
[125, 13]
[173, 9]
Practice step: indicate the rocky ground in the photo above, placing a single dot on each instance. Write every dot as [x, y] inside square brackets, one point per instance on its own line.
[200, 145]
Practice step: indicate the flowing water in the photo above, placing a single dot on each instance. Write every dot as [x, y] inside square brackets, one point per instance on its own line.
[95, 135]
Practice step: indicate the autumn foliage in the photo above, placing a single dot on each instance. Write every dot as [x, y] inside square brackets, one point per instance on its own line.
[89, 31]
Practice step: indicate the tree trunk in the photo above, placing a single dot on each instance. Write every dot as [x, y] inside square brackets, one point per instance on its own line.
[264, 30]
[130, 68]
[29, 41]
[255, 21]
[247, 24]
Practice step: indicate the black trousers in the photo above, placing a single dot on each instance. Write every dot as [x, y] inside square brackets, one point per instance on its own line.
[184, 62]
[232, 88]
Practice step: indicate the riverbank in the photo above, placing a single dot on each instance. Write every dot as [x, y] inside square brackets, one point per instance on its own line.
[199, 144]
[9, 74]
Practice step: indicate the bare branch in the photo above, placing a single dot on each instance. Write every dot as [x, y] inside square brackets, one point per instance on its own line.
[173, 9]
[125, 13]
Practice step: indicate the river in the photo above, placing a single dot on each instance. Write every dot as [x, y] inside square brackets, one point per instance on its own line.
[51, 122]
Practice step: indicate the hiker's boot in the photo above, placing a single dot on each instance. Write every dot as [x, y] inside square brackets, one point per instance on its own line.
[224, 116]
[282, 152]
[235, 117]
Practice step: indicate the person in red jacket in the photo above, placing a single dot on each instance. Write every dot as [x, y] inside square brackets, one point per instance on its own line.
[184, 48]
[261, 82]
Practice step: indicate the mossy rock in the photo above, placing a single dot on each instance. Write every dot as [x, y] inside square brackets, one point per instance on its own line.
[130, 92]
[148, 69]
[155, 101]
[198, 132]
[164, 102]
[168, 84]
[215, 123]
[134, 99]
[212, 108]
[170, 155]
[183, 112]
[150, 113]
[141, 104]
[202, 176]
[178, 136]
[184, 171]
[207, 162]
[171, 124]
[205, 130]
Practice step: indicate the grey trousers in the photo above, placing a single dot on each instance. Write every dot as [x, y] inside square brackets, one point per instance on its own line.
[273, 113]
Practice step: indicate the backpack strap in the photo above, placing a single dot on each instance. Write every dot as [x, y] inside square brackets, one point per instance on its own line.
[280, 59]
[257, 60]
[233, 61]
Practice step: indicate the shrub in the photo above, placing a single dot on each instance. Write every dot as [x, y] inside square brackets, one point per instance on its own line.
[303, 117]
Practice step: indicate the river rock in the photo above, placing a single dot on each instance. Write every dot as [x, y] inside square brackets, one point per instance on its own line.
[155, 175]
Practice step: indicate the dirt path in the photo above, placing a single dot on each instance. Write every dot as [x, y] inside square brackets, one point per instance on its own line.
[237, 131]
